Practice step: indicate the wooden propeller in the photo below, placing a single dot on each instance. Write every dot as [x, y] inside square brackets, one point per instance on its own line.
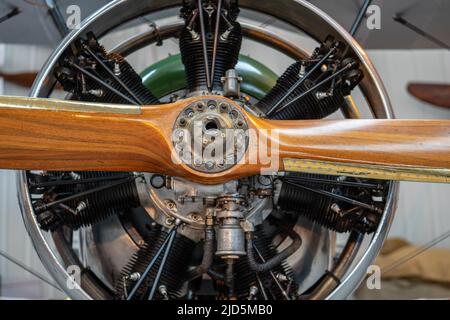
[23, 79]
[436, 94]
[44, 134]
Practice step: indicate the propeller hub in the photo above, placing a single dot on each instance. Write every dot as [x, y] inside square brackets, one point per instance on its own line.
[210, 135]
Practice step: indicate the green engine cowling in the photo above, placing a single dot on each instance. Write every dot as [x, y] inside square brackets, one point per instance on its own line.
[168, 76]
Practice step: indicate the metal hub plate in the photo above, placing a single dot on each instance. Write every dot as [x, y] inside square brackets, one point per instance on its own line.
[210, 135]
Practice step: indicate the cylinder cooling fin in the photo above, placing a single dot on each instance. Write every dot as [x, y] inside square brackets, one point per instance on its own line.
[333, 202]
[302, 91]
[170, 285]
[87, 61]
[67, 198]
[222, 49]
[311, 107]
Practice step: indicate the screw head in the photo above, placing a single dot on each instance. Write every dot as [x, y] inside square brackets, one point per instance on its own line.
[223, 107]
[189, 112]
[200, 106]
[170, 205]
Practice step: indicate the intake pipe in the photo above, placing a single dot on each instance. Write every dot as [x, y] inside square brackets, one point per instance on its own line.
[276, 260]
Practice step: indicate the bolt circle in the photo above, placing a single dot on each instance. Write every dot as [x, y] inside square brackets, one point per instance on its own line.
[216, 117]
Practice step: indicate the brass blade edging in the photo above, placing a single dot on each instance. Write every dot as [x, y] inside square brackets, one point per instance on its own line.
[65, 105]
[416, 174]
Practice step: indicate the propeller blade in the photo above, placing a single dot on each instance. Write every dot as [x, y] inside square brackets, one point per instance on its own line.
[23, 79]
[435, 94]
[412, 150]
[44, 134]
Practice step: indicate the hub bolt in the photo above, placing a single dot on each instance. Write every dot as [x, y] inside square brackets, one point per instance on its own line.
[200, 106]
[223, 107]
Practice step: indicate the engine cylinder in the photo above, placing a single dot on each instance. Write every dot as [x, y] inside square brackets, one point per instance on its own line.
[227, 54]
[172, 275]
[309, 107]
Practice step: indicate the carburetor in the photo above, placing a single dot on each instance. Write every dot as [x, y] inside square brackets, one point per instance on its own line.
[230, 212]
